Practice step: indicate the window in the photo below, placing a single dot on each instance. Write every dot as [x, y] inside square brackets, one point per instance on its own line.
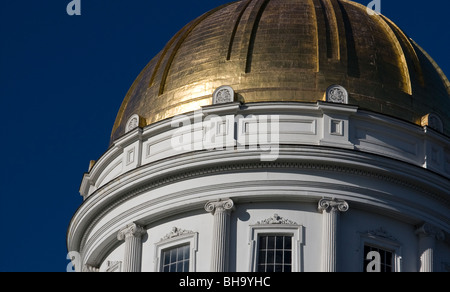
[385, 249]
[274, 253]
[176, 259]
[276, 245]
[177, 251]
[386, 257]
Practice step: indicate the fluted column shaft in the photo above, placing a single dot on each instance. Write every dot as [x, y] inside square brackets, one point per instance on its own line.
[330, 210]
[427, 241]
[221, 210]
[132, 234]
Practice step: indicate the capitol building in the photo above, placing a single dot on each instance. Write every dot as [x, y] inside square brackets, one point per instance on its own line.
[275, 136]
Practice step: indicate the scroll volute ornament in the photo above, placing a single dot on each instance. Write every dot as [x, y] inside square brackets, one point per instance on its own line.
[329, 205]
[221, 205]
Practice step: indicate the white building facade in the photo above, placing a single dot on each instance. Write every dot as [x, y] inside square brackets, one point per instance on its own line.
[285, 186]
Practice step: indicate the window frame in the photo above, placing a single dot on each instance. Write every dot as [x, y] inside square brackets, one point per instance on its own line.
[175, 242]
[294, 230]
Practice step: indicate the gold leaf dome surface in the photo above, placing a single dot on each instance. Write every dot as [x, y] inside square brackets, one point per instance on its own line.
[289, 50]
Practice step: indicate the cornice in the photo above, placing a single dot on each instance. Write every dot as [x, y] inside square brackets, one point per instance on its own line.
[109, 197]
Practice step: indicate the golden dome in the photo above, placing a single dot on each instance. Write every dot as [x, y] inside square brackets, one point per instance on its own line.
[289, 50]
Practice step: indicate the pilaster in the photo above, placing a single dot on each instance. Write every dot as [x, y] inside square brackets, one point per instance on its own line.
[330, 209]
[427, 240]
[221, 210]
[132, 234]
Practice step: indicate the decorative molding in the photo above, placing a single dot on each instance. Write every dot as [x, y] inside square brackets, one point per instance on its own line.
[276, 219]
[221, 205]
[337, 94]
[223, 94]
[113, 266]
[90, 269]
[176, 232]
[328, 204]
[131, 230]
[245, 166]
[132, 123]
[135, 121]
[381, 233]
[433, 121]
[428, 230]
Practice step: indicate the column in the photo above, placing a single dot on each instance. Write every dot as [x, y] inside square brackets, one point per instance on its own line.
[427, 239]
[330, 209]
[221, 210]
[132, 234]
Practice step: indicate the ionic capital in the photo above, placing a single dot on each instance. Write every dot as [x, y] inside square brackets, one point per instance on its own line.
[131, 230]
[90, 269]
[329, 205]
[221, 205]
[428, 230]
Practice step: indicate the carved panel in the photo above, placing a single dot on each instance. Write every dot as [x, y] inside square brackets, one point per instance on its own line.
[223, 94]
[337, 94]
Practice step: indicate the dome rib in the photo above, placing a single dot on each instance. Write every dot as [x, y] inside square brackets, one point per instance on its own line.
[401, 59]
[182, 38]
[406, 45]
[259, 9]
[242, 10]
[332, 30]
[289, 50]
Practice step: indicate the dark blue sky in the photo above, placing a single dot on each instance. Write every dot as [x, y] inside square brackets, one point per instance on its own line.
[62, 80]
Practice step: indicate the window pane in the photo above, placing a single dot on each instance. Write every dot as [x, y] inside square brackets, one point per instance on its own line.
[180, 254]
[173, 255]
[279, 257]
[270, 257]
[274, 253]
[279, 242]
[288, 242]
[166, 258]
[382, 255]
[186, 252]
[287, 268]
[271, 242]
[179, 266]
[176, 259]
[389, 258]
[287, 257]
[186, 266]
[262, 257]
[263, 242]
